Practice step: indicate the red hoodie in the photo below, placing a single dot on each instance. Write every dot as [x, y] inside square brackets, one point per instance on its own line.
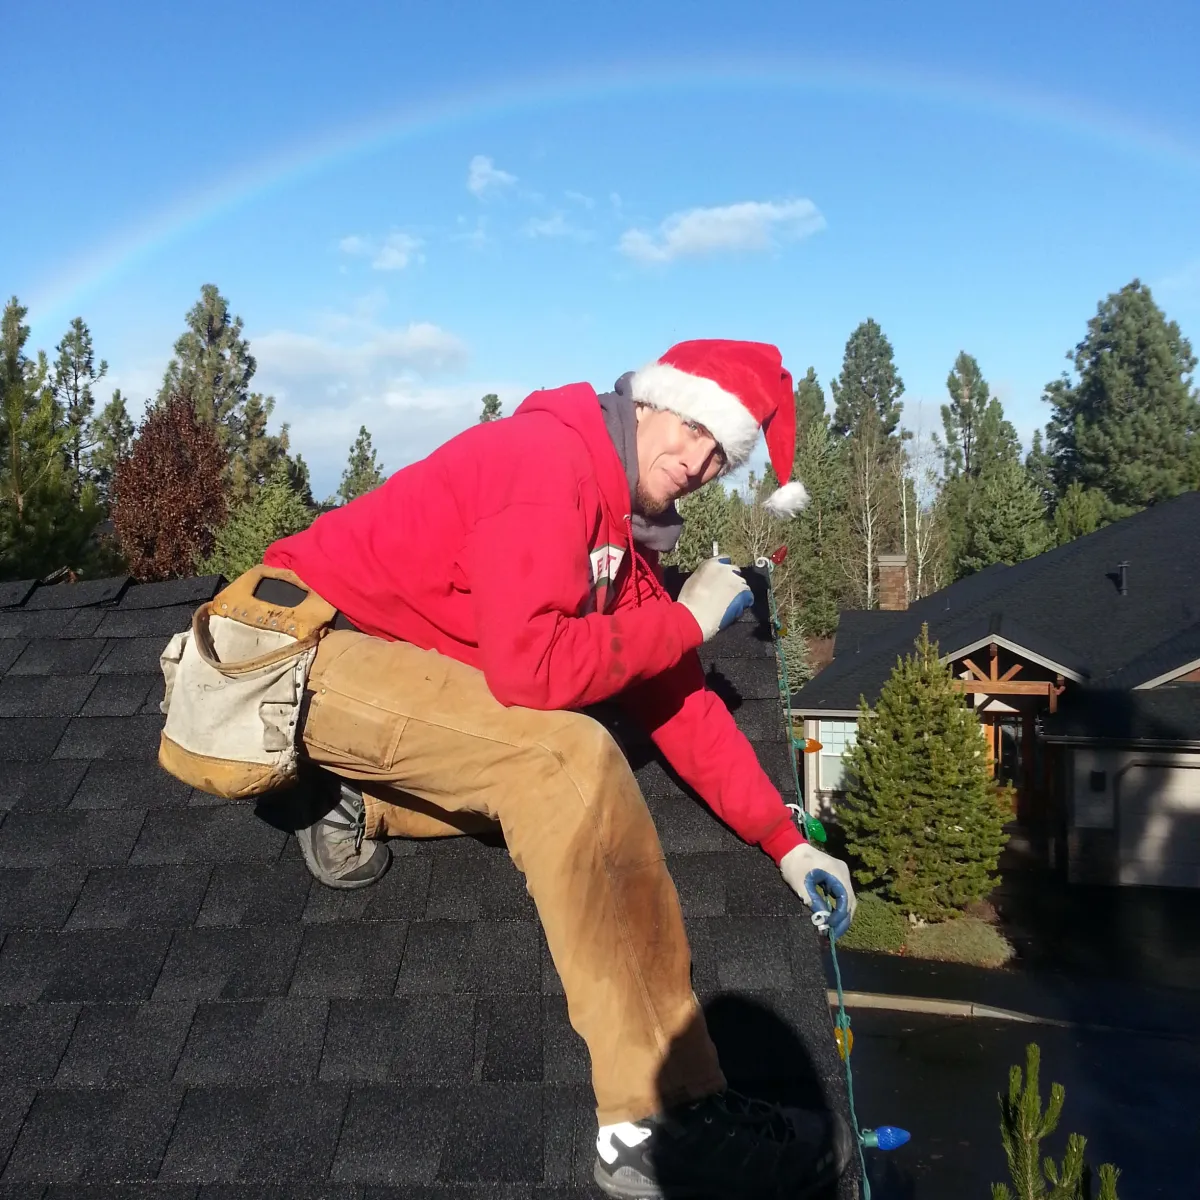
[510, 548]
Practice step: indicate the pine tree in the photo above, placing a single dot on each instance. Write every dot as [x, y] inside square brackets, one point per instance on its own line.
[1127, 425]
[921, 812]
[1040, 465]
[75, 372]
[362, 472]
[274, 511]
[1005, 520]
[868, 383]
[816, 539]
[705, 516]
[1024, 1125]
[1079, 512]
[810, 404]
[969, 395]
[253, 451]
[213, 365]
[491, 408]
[110, 436]
[167, 494]
[43, 524]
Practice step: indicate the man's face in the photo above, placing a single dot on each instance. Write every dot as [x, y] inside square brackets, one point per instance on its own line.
[675, 457]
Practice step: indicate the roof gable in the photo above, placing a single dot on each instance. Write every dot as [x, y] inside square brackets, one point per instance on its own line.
[1063, 606]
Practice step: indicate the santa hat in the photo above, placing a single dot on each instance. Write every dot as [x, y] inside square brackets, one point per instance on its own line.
[733, 389]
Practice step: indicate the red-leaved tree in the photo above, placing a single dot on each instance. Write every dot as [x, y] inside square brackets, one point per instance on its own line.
[168, 497]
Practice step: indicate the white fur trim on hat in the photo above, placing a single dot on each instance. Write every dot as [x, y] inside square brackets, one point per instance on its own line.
[788, 500]
[698, 399]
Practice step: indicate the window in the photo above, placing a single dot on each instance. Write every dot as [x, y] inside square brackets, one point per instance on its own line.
[836, 737]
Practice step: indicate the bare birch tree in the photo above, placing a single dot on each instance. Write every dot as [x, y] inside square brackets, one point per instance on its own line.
[870, 476]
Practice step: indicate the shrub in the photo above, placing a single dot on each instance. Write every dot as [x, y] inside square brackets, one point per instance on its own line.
[963, 940]
[272, 512]
[877, 925]
[168, 495]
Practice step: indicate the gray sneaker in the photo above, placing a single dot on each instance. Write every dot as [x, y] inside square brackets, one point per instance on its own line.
[334, 845]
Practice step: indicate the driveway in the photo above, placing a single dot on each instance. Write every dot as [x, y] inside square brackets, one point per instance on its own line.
[1135, 1097]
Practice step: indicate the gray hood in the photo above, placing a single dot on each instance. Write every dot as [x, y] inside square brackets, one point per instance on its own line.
[659, 533]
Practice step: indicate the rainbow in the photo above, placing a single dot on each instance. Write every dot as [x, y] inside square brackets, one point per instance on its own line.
[151, 234]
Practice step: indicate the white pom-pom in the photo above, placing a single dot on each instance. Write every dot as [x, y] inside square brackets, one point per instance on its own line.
[788, 500]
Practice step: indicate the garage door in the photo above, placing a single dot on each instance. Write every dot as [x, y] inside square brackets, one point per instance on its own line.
[1158, 825]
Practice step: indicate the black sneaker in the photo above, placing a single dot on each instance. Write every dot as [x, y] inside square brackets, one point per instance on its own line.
[334, 845]
[724, 1146]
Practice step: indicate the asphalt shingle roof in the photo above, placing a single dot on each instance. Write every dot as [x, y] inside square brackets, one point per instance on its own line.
[1064, 605]
[187, 1015]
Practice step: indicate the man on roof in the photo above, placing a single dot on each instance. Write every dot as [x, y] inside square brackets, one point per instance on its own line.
[486, 595]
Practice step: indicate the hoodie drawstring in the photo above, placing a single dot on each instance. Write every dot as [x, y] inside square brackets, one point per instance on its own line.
[638, 565]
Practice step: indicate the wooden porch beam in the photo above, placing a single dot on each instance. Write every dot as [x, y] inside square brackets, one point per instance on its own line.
[1006, 687]
[994, 657]
[1013, 670]
[973, 669]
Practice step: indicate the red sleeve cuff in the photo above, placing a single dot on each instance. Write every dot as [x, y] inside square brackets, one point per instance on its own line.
[784, 837]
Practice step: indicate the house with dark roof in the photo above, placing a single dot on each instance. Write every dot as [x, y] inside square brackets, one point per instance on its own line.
[1084, 667]
[189, 1015]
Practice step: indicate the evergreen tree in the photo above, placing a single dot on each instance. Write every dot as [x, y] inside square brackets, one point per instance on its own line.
[921, 812]
[253, 451]
[1024, 1125]
[960, 418]
[977, 434]
[299, 477]
[868, 383]
[213, 365]
[1127, 425]
[110, 436]
[75, 372]
[810, 404]
[363, 472]
[1005, 521]
[43, 525]
[1040, 465]
[705, 516]
[816, 539]
[1079, 512]
[491, 408]
[274, 511]
[167, 494]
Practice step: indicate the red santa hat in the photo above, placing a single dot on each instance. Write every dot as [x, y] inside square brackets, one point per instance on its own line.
[733, 389]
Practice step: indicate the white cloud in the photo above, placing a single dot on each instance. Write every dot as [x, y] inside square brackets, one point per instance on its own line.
[483, 176]
[395, 252]
[749, 226]
[580, 198]
[420, 346]
[554, 226]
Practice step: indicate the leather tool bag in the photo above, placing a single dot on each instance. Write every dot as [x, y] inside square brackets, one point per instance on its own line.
[234, 688]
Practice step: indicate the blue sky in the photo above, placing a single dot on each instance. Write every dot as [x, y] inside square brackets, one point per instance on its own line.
[411, 205]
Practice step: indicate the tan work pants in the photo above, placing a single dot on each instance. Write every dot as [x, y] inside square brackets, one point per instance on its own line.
[576, 825]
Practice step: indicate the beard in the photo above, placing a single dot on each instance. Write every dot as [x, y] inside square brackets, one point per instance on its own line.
[647, 505]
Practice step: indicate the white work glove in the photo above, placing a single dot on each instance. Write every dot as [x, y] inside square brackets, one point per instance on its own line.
[805, 867]
[716, 595]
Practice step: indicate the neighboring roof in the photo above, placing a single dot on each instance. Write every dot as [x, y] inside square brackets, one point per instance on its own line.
[1166, 715]
[183, 1004]
[1063, 606]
